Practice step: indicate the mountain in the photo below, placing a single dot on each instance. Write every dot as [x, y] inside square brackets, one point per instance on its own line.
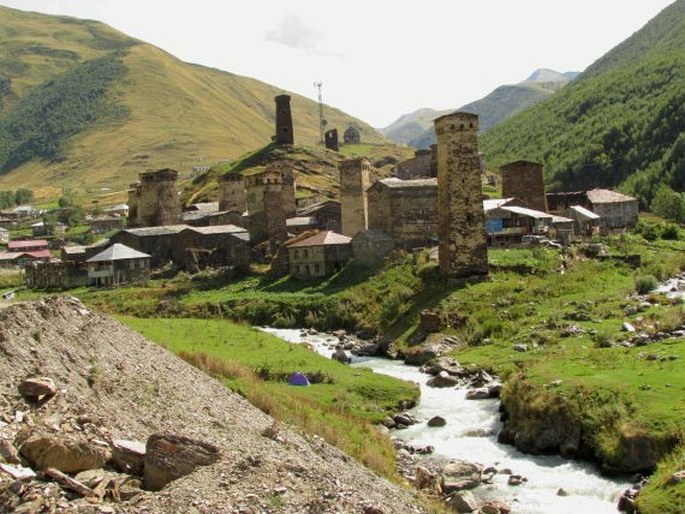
[416, 129]
[85, 106]
[620, 124]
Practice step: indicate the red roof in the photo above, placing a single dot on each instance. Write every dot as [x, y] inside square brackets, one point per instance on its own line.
[326, 237]
[35, 255]
[14, 246]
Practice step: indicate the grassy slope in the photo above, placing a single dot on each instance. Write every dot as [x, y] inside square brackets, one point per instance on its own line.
[617, 123]
[178, 111]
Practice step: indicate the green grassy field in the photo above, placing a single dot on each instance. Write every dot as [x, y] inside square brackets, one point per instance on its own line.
[341, 408]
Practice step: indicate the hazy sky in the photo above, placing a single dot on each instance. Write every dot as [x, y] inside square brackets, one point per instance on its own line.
[377, 59]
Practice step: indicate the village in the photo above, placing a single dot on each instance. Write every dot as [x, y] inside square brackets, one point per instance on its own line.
[434, 200]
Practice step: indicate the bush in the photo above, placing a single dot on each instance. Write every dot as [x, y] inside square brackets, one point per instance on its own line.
[671, 232]
[650, 231]
[645, 283]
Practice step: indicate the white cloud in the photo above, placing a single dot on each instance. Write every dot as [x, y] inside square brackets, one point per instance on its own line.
[293, 31]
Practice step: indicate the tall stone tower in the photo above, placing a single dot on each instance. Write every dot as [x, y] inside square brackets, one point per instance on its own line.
[284, 121]
[354, 181]
[133, 201]
[524, 180]
[270, 199]
[231, 193]
[158, 202]
[462, 247]
[331, 140]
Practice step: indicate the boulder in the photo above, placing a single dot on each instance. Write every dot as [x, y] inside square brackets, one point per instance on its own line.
[516, 480]
[481, 393]
[388, 422]
[8, 452]
[35, 387]
[443, 364]
[437, 421]
[443, 379]
[463, 501]
[171, 456]
[627, 327]
[66, 454]
[342, 355]
[405, 419]
[500, 505]
[520, 347]
[128, 456]
[459, 475]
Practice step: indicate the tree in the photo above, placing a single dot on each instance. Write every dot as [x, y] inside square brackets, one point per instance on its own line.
[22, 196]
[668, 204]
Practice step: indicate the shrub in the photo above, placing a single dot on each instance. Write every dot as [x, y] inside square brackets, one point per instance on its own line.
[645, 283]
[671, 232]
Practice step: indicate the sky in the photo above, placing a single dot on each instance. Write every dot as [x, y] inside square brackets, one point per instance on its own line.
[376, 59]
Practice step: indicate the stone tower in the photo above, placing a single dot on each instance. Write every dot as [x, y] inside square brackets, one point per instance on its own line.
[354, 181]
[158, 202]
[133, 200]
[331, 140]
[284, 121]
[352, 136]
[270, 198]
[524, 180]
[275, 209]
[462, 247]
[231, 193]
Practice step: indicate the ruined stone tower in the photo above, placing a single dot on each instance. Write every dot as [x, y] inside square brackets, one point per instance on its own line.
[231, 193]
[524, 180]
[462, 247]
[354, 181]
[158, 202]
[331, 140]
[284, 121]
[133, 200]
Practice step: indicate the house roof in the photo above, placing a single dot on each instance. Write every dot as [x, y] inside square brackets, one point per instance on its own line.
[494, 203]
[73, 250]
[524, 211]
[607, 196]
[161, 230]
[315, 207]
[219, 229]
[323, 238]
[118, 207]
[398, 183]
[36, 254]
[26, 243]
[584, 213]
[300, 221]
[205, 206]
[560, 219]
[118, 252]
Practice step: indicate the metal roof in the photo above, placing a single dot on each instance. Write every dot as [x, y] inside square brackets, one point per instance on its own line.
[161, 230]
[300, 221]
[219, 229]
[324, 238]
[531, 213]
[494, 203]
[585, 213]
[398, 183]
[118, 252]
[607, 196]
[26, 243]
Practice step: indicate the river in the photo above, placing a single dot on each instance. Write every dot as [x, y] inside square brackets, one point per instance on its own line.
[586, 490]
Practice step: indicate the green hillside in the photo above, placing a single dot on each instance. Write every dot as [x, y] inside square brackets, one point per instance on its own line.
[619, 124]
[84, 107]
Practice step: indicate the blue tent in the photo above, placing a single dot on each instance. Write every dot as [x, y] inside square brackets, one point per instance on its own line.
[298, 379]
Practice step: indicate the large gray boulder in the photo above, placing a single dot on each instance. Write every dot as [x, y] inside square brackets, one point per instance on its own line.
[459, 475]
[68, 454]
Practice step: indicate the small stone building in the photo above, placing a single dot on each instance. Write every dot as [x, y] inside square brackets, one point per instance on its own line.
[406, 210]
[55, 274]
[331, 140]
[507, 224]
[418, 166]
[319, 255]
[370, 247]
[161, 243]
[215, 247]
[327, 213]
[118, 265]
[352, 136]
[524, 180]
[616, 210]
[103, 224]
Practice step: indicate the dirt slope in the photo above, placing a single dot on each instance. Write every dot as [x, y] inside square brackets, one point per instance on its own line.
[112, 383]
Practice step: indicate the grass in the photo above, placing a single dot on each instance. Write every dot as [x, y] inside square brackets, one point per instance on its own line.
[662, 494]
[340, 409]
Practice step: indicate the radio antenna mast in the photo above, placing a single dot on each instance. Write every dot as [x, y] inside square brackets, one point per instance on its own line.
[322, 121]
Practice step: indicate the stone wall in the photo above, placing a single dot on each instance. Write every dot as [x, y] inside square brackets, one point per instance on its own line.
[232, 193]
[417, 166]
[157, 202]
[524, 180]
[55, 275]
[354, 181]
[462, 246]
[284, 121]
[406, 210]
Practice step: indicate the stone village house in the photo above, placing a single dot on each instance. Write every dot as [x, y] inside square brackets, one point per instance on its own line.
[118, 265]
[319, 255]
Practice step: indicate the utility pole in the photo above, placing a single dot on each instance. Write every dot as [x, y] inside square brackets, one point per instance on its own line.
[322, 121]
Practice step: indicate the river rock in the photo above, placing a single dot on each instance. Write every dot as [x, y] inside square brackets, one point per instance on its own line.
[627, 327]
[35, 387]
[388, 422]
[405, 419]
[437, 421]
[443, 364]
[481, 393]
[128, 456]
[459, 475]
[342, 355]
[463, 501]
[443, 379]
[69, 454]
[516, 480]
[171, 456]
[500, 505]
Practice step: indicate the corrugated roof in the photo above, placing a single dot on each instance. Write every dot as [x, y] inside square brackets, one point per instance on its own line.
[156, 231]
[26, 243]
[561, 219]
[73, 250]
[398, 183]
[494, 203]
[206, 206]
[219, 229]
[300, 221]
[607, 196]
[585, 213]
[531, 213]
[118, 252]
[324, 238]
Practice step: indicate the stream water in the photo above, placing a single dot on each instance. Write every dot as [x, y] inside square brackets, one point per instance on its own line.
[471, 434]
